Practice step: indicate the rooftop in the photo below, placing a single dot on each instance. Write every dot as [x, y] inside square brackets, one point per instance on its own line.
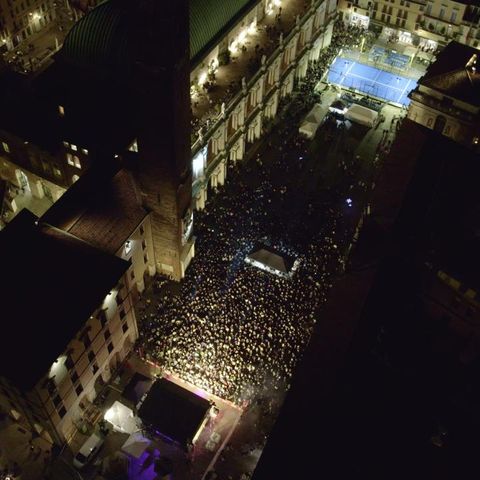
[455, 73]
[104, 35]
[441, 211]
[102, 208]
[173, 411]
[51, 283]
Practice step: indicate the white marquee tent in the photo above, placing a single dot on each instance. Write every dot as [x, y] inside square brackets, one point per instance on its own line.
[121, 418]
[312, 121]
[135, 445]
[362, 115]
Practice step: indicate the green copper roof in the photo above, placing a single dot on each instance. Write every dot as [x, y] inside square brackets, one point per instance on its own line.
[101, 37]
[208, 18]
[98, 38]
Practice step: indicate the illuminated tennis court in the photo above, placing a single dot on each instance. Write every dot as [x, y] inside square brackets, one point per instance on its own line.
[371, 80]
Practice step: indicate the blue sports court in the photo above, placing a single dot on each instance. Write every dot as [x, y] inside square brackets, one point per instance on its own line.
[371, 80]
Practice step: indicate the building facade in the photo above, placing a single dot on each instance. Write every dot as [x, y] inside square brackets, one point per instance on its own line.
[421, 23]
[20, 19]
[73, 347]
[176, 171]
[446, 97]
[241, 121]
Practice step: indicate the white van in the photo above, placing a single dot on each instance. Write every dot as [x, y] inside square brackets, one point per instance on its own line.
[88, 450]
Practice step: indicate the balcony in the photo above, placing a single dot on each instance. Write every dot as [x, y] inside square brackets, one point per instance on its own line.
[245, 62]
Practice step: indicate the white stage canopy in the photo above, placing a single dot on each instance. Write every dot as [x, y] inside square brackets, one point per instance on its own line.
[312, 121]
[272, 262]
[121, 417]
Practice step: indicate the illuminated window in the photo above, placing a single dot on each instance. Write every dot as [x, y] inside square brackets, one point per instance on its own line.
[76, 162]
[57, 172]
[128, 247]
[70, 159]
[74, 147]
[75, 178]
[6, 147]
[198, 163]
[475, 140]
[84, 151]
[61, 110]
[66, 144]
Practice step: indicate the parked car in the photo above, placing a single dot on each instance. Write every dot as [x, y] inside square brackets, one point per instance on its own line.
[88, 450]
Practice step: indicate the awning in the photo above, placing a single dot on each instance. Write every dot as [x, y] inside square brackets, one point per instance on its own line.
[135, 445]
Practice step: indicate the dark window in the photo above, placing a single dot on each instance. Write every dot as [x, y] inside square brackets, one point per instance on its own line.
[110, 347]
[122, 313]
[144, 244]
[78, 389]
[107, 334]
[91, 356]
[57, 400]
[74, 376]
[69, 362]
[119, 299]
[145, 259]
[124, 327]
[455, 302]
[86, 340]
[102, 316]
[94, 368]
[51, 387]
[142, 231]
[62, 412]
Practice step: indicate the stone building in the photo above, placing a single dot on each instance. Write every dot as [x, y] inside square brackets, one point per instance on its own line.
[65, 329]
[447, 98]
[50, 140]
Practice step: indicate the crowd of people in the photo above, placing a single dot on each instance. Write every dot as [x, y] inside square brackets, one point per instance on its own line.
[235, 330]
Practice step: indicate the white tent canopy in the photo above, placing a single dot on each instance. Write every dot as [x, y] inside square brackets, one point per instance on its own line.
[135, 445]
[121, 417]
[362, 115]
[312, 121]
[272, 262]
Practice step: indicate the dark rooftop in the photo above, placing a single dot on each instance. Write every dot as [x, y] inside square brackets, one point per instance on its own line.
[173, 411]
[51, 283]
[102, 208]
[104, 35]
[137, 386]
[440, 217]
[26, 114]
[450, 74]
